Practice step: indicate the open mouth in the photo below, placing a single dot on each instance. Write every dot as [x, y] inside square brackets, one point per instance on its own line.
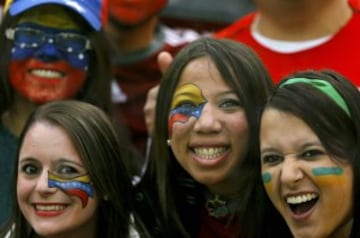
[301, 204]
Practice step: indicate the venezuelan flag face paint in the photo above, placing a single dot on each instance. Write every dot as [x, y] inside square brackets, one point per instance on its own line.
[311, 189]
[50, 55]
[79, 186]
[208, 127]
[187, 102]
[54, 190]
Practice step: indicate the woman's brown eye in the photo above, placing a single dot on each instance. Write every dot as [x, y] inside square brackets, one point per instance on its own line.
[67, 170]
[29, 169]
[271, 159]
[312, 153]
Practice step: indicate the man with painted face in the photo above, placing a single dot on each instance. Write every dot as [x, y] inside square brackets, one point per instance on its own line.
[52, 50]
[137, 37]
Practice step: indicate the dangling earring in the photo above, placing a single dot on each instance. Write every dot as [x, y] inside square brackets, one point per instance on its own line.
[168, 141]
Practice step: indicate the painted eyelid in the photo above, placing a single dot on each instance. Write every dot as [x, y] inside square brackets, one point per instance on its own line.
[185, 98]
[184, 103]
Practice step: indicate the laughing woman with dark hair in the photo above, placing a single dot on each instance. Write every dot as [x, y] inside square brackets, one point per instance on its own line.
[310, 160]
[205, 145]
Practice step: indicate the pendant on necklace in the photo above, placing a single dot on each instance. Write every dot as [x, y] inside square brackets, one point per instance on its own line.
[216, 207]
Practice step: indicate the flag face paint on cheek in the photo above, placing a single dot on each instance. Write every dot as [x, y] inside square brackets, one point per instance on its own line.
[187, 102]
[266, 178]
[79, 186]
[329, 176]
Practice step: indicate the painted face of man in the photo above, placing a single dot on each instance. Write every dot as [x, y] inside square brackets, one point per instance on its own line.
[50, 55]
[208, 127]
[133, 12]
[54, 191]
[312, 190]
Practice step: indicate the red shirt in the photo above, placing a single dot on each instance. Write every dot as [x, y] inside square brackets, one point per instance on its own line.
[341, 53]
[215, 228]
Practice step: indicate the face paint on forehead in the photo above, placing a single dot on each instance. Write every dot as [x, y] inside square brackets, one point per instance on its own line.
[79, 186]
[51, 16]
[188, 101]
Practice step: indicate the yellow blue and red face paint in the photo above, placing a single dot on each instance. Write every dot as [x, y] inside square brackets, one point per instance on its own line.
[187, 94]
[78, 186]
[48, 51]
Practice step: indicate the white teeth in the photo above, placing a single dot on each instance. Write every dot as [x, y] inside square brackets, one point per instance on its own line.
[49, 207]
[301, 198]
[209, 153]
[46, 73]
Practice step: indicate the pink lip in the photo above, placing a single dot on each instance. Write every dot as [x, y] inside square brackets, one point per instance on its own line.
[47, 213]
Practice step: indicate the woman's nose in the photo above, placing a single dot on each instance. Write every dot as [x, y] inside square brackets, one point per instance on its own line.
[48, 52]
[209, 120]
[42, 185]
[291, 172]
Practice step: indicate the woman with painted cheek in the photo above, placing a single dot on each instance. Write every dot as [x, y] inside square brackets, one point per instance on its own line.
[70, 178]
[309, 142]
[208, 130]
[49, 58]
[55, 193]
[205, 145]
